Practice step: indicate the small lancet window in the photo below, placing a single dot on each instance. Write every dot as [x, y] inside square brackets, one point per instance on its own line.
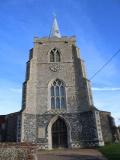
[57, 103]
[51, 57]
[57, 95]
[62, 102]
[52, 102]
[55, 55]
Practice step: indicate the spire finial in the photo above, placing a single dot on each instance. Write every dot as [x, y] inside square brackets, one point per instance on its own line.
[55, 32]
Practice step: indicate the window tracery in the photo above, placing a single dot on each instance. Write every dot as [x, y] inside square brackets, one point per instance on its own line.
[57, 95]
[55, 55]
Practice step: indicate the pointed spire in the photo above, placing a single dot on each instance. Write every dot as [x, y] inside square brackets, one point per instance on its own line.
[55, 32]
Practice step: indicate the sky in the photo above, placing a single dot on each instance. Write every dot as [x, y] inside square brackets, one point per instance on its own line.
[96, 25]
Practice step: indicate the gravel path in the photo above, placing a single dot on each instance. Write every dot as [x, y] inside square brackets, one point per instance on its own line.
[70, 154]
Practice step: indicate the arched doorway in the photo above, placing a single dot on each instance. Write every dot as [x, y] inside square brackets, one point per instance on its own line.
[59, 134]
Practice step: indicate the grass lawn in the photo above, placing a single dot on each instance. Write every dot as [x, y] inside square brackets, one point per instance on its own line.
[111, 151]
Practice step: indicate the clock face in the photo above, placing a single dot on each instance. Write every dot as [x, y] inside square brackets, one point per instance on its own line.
[55, 67]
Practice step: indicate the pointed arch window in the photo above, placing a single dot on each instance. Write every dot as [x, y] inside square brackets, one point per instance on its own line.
[55, 55]
[51, 57]
[57, 95]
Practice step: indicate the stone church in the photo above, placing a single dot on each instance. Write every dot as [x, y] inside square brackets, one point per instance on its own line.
[57, 105]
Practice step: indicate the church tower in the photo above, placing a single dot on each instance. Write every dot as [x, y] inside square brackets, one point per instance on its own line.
[57, 105]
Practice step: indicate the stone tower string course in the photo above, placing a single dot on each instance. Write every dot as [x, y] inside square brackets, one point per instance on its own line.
[57, 105]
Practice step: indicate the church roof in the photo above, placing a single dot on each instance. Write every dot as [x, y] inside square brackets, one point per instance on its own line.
[55, 32]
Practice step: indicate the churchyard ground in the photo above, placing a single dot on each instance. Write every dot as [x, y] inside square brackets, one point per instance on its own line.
[111, 151]
[23, 151]
[70, 154]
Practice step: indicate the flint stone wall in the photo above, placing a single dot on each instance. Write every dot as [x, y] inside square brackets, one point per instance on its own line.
[106, 126]
[82, 129]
